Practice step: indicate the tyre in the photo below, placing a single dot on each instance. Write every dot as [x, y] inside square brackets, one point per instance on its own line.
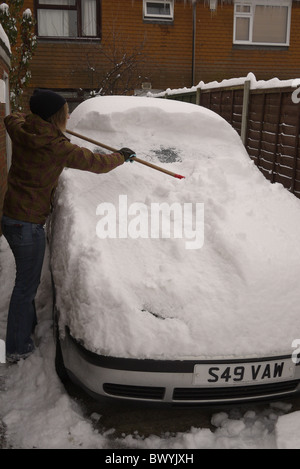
[59, 361]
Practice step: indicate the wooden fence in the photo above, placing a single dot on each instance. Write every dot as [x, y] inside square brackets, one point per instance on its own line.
[268, 122]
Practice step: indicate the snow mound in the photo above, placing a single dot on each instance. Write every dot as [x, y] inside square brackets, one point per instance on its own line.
[145, 297]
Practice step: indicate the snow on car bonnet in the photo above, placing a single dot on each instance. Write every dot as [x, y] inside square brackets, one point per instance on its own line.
[138, 294]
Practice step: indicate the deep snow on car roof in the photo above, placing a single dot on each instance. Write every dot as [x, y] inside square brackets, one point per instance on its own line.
[137, 295]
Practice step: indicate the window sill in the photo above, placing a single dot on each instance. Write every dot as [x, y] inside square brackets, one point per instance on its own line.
[258, 47]
[158, 21]
[83, 40]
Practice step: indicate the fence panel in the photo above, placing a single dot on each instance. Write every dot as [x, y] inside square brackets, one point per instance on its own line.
[227, 102]
[271, 124]
[273, 136]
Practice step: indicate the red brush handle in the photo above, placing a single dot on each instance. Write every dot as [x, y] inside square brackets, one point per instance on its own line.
[138, 160]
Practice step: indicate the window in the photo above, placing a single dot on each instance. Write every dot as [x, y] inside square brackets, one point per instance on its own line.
[159, 10]
[259, 24]
[68, 18]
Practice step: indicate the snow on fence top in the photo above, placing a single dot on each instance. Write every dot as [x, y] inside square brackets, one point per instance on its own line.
[254, 84]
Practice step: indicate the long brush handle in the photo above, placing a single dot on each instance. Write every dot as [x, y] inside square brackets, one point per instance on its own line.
[138, 160]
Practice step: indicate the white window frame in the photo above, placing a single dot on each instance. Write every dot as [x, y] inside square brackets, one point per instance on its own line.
[78, 9]
[152, 16]
[252, 4]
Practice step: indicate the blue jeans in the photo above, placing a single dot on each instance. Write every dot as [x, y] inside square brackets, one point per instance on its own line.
[27, 242]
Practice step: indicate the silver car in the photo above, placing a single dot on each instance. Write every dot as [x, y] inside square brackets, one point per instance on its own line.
[178, 288]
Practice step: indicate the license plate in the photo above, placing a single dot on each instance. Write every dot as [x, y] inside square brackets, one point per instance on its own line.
[238, 374]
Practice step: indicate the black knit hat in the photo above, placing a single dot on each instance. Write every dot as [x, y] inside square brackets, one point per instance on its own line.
[45, 103]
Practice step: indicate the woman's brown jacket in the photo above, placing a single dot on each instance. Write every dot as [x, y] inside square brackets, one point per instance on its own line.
[40, 152]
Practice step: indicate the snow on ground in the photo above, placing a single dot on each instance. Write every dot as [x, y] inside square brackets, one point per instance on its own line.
[36, 412]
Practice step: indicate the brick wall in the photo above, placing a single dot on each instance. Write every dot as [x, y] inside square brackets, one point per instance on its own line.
[168, 48]
[217, 58]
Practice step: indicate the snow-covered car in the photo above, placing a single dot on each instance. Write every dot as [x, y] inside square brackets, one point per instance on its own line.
[174, 290]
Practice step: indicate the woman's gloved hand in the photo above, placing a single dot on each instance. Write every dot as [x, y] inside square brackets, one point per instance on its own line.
[127, 153]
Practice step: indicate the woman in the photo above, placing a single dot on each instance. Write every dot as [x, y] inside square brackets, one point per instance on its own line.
[40, 152]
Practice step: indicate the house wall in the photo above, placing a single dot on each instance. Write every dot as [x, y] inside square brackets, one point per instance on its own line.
[217, 58]
[75, 64]
[167, 47]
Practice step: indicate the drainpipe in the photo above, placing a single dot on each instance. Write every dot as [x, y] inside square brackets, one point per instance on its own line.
[194, 43]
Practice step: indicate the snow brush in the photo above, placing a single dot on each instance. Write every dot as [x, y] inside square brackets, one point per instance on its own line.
[138, 160]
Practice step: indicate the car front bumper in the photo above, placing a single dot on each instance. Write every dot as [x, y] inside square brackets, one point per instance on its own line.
[169, 382]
